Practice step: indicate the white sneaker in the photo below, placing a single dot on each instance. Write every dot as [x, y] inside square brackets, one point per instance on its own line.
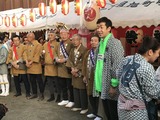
[91, 115]
[98, 118]
[5, 94]
[70, 104]
[84, 111]
[63, 102]
[76, 109]
[2, 94]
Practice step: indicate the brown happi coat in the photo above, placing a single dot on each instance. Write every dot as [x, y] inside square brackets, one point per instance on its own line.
[34, 50]
[88, 74]
[50, 68]
[62, 69]
[77, 82]
[21, 53]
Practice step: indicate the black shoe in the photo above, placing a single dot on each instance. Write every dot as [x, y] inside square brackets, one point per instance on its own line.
[51, 98]
[58, 98]
[28, 96]
[41, 97]
[33, 96]
[18, 94]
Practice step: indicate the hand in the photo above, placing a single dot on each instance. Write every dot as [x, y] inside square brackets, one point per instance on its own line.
[14, 63]
[16, 66]
[112, 92]
[85, 81]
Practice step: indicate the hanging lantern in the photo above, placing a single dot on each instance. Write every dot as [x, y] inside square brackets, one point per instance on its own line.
[134, 36]
[53, 6]
[78, 6]
[7, 21]
[42, 9]
[23, 20]
[65, 7]
[101, 3]
[113, 1]
[1, 20]
[32, 15]
[14, 21]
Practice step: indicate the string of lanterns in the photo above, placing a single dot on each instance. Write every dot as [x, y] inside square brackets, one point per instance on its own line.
[53, 10]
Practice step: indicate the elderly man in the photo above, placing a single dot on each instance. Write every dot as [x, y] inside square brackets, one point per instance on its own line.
[50, 70]
[34, 68]
[65, 81]
[75, 62]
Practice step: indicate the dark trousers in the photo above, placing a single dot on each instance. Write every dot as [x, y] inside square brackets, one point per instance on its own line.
[51, 83]
[18, 79]
[80, 98]
[34, 79]
[110, 109]
[66, 86]
[94, 102]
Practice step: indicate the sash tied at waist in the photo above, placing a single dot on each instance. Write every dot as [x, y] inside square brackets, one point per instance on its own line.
[128, 104]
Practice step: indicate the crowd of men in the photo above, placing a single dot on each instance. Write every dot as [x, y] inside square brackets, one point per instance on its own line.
[74, 72]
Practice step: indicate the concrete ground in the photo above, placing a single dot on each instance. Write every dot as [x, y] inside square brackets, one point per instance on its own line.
[22, 109]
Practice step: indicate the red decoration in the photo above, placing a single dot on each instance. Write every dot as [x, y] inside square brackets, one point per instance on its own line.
[14, 21]
[42, 9]
[78, 6]
[23, 20]
[7, 21]
[53, 6]
[32, 15]
[101, 3]
[113, 1]
[1, 20]
[89, 14]
[65, 7]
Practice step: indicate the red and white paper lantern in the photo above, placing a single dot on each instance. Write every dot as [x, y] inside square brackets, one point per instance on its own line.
[42, 9]
[1, 20]
[53, 6]
[32, 15]
[14, 21]
[101, 3]
[23, 19]
[7, 21]
[78, 6]
[65, 7]
[113, 1]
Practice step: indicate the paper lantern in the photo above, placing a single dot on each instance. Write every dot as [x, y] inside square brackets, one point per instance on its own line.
[113, 1]
[65, 7]
[134, 36]
[53, 6]
[23, 20]
[156, 33]
[78, 6]
[1, 20]
[7, 21]
[91, 15]
[14, 21]
[32, 15]
[101, 3]
[42, 9]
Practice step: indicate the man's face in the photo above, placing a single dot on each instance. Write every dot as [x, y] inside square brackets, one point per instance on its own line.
[51, 36]
[94, 42]
[25, 41]
[102, 30]
[76, 41]
[16, 41]
[64, 36]
[30, 38]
